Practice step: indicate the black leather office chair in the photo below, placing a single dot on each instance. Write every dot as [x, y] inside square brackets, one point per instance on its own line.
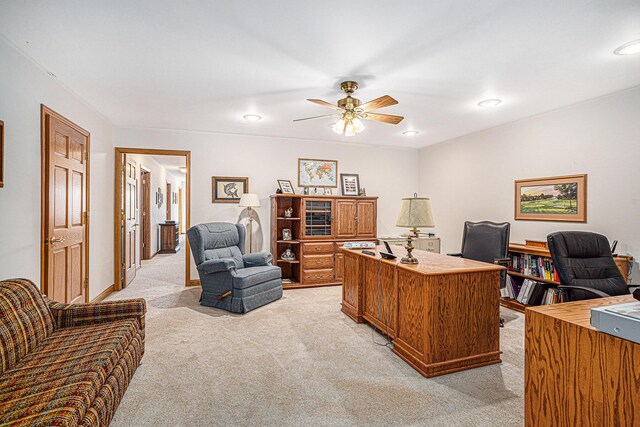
[487, 241]
[585, 265]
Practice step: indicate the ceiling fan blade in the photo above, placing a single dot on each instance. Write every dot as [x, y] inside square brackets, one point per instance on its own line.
[386, 118]
[324, 103]
[315, 117]
[383, 101]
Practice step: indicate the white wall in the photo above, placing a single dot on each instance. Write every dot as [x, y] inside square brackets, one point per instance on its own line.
[385, 172]
[23, 87]
[472, 177]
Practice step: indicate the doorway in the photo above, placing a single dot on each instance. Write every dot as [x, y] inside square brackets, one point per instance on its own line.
[64, 247]
[170, 200]
[125, 207]
[145, 222]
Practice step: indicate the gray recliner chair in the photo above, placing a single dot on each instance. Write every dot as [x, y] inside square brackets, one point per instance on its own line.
[230, 279]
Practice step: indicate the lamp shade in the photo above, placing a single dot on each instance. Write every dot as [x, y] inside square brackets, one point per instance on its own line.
[415, 212]
[248, 200]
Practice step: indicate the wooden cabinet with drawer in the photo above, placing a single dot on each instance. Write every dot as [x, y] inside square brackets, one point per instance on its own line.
[319, 225]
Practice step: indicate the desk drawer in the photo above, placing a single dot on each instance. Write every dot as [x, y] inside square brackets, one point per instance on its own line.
[318, 276]
[310, 262]
[318, 248]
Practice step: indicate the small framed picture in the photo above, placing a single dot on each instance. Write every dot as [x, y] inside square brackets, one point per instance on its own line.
[285, 186]
[228, 189]
[350, 183]
[286, 234]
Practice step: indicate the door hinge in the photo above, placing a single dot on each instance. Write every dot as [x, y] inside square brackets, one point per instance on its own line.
[86, 155]
[85, 218]
[86, 283]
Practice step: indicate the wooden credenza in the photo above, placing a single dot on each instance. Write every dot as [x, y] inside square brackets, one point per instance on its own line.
[576, 375]
[169, 238]
[319, 226]
[442, 314]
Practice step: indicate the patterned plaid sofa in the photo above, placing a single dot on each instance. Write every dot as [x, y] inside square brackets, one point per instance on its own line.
[65, 365]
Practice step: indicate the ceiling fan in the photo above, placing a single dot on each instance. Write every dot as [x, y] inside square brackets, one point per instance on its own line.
[351, 110]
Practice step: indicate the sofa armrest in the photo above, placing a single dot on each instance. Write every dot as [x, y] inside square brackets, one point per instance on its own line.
[67, 315]
[257, 259]
[217, 265]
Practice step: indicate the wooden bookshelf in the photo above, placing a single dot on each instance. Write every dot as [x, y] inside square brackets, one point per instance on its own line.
[539, 248]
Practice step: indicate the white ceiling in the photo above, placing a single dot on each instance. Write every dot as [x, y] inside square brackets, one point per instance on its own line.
[171, 163]
[200, 65]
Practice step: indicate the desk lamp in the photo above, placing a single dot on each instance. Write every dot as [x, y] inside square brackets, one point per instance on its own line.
[250, 201]
[414, 212]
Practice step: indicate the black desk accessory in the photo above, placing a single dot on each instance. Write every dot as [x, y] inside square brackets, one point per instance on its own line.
[613, 246]
[386, 255]
[386, 245]
[636, 294]
[369, 253]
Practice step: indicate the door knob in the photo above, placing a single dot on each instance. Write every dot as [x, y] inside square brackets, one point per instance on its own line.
[55, 240]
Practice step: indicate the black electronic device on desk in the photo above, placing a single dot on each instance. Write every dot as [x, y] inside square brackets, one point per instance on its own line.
[389, 254]
[636, 294]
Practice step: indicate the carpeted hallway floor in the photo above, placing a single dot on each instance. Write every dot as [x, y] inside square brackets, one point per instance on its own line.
[298, 361]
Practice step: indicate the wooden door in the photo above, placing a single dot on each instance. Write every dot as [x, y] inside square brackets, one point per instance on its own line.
[317, 218]
[64, 210]
[169, 200]
[131, 219]
[366, 219]
[145, 221]
[345, 218]
[180, 219]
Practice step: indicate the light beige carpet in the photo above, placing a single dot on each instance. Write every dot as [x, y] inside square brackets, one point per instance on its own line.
[298, 361]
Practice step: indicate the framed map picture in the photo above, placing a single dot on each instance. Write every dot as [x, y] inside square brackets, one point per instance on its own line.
[559, 198]
[317, 173]
[228, 189]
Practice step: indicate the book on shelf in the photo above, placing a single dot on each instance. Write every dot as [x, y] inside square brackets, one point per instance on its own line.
[535, 266]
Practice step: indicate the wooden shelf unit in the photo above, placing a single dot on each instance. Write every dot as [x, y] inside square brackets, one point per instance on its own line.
[319, 226]
[540, 249]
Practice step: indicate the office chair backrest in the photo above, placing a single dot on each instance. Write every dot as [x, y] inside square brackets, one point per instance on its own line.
[217, 240]
[584, 259]
[485, 241]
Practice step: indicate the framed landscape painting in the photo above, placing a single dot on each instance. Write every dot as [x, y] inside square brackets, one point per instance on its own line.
[317, 173]
[559, 198]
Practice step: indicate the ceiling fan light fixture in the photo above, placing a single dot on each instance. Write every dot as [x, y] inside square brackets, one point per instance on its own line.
[338, 127]
[493, 102]
[252, 117]
[630, 48]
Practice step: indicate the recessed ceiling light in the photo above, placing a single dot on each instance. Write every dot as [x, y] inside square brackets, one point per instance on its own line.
[410, 133]
[630, 48]
[252, 117]
[489, 102]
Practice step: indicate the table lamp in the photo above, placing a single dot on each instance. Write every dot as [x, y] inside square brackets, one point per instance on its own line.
[250, 201]
[414, 212]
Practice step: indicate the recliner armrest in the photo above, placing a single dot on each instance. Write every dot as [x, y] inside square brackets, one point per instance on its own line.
[458, 254]
[257, 259]
[217, 265]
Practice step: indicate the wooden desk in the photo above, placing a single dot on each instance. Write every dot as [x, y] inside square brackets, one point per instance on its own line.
[576, 375]
[442, 314]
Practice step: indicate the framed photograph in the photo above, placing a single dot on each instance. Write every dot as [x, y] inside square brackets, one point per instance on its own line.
[317, 173]
[1, 154]
[350, 184]
[285, 186]
[228, 189]
[558, 198]
[286, 234]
